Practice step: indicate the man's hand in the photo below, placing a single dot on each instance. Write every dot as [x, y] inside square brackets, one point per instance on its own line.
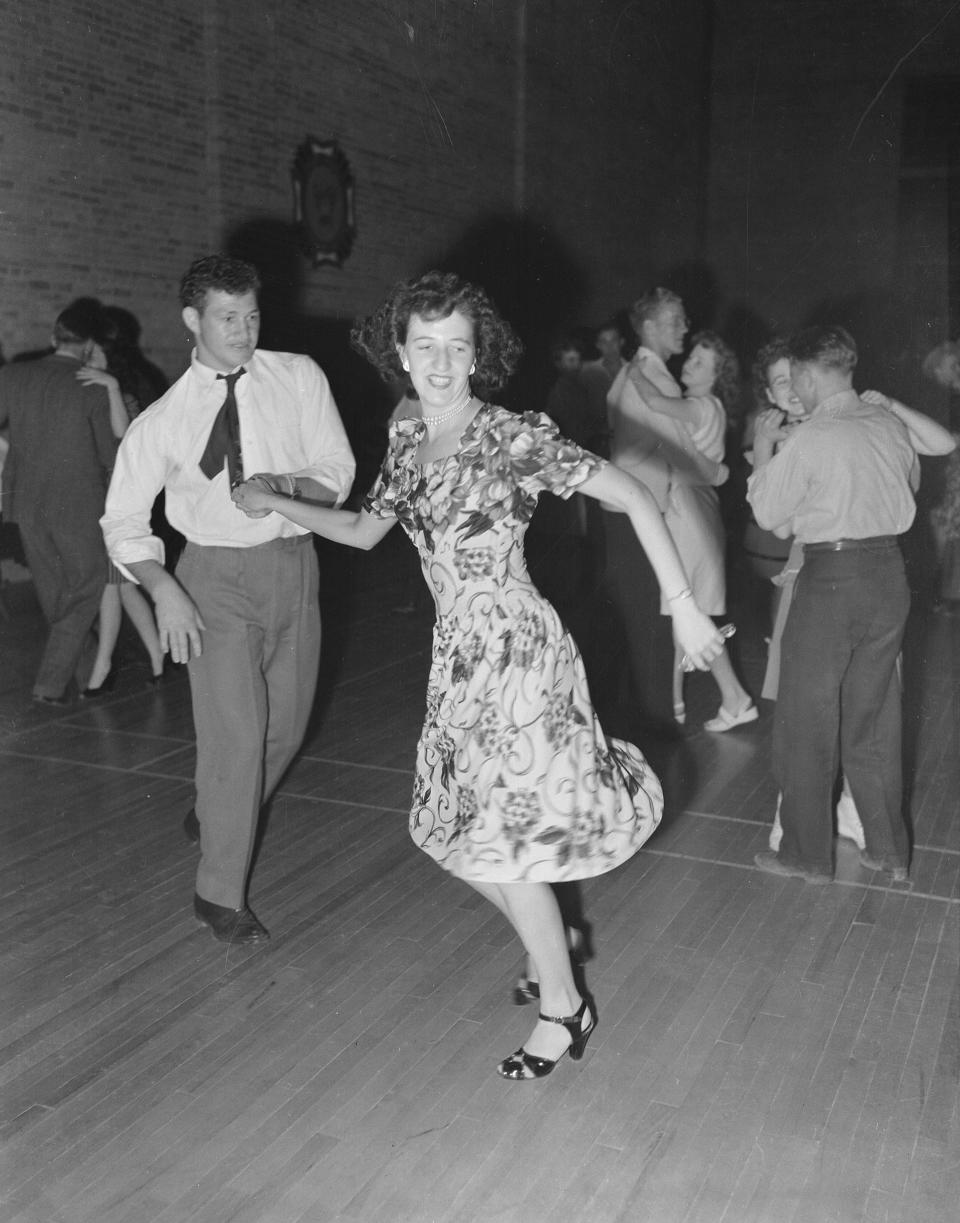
[262, 482]
[254, 497]
[178, 622]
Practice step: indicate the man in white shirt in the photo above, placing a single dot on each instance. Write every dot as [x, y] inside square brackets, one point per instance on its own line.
[242, 609]
[647, 445]
[842, 485]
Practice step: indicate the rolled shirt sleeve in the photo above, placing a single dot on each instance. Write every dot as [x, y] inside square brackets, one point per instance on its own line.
[330, 459]
[289, 423]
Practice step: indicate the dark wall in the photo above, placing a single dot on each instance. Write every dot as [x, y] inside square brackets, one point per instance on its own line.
[818, 207]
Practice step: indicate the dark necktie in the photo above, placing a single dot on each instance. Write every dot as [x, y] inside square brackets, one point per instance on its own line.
[224, 440]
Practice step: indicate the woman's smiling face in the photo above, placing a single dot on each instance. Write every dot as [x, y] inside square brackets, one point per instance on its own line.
[440, 354]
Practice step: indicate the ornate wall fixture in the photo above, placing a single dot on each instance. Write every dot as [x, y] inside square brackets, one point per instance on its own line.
[323, 201]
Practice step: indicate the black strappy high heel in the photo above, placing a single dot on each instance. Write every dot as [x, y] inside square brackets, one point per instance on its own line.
[523, 1065]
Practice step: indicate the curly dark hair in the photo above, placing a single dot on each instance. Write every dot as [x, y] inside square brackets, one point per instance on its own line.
[221, 272]
[726, 384]
[436, 295]
[773, 351]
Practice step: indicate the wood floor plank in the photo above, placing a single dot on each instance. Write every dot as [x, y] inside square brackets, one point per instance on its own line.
[766, 1050]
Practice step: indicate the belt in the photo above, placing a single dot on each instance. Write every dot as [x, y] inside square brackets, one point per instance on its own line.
[873, 543]
[282, 541]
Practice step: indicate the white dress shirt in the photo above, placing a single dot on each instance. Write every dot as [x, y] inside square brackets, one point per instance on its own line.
[289, 423]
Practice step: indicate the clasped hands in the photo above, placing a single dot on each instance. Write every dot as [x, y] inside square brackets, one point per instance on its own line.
[253, 495]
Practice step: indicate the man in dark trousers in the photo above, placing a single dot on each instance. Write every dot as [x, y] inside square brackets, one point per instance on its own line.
[61, 450]
[842, 485]
[242, 608]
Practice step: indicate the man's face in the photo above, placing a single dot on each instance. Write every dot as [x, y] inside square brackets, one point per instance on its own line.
[947, 372]
[609, 344]
[569, 361]
[668, 328]
[226, 330]
[803, 385]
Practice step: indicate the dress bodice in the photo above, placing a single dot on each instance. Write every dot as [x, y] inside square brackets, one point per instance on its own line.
[468, 513]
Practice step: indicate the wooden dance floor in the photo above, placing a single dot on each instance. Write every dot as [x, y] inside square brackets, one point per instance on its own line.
[768, 1051]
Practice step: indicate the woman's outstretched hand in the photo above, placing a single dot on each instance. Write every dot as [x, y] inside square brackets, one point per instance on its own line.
[698, 637]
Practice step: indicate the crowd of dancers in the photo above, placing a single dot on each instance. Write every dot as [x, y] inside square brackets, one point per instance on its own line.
[517, 788]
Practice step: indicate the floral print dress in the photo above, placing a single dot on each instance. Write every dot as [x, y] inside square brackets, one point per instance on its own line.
[514, 778]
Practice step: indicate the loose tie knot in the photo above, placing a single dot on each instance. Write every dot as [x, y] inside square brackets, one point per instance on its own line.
[223, 444]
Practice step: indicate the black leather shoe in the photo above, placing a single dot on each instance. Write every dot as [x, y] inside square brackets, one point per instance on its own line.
[229, 925]
[108, 685]
[191, 826]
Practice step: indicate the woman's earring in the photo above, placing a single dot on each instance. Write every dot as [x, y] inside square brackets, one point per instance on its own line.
[473, 368]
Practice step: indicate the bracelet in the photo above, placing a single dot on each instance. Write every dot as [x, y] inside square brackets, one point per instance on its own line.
[686, 593]
[294, 491]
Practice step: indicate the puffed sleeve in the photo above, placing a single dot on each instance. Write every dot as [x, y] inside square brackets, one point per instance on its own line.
[382, 499]
[544, 460]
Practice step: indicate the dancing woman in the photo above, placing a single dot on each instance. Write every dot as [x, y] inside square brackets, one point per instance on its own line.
[692, 514]
[516, 786]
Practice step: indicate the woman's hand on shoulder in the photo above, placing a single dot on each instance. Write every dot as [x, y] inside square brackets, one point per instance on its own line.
[90, 376]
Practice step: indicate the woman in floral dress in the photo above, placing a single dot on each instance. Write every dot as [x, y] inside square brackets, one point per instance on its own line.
[516, 787]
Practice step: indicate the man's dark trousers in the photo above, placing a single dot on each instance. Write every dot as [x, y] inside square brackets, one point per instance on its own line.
[839, 704]
[68, 564]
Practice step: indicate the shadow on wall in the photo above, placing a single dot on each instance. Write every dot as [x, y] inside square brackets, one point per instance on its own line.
[696, 282]
[527, 271]
[534, 281]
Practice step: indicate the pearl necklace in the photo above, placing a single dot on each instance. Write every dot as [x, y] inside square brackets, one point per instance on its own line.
[449, 414]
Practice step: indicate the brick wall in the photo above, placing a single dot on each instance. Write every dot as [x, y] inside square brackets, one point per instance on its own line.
[523, 143]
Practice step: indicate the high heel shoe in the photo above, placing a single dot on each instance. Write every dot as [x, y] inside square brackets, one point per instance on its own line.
[109, 681]
[522, 1065]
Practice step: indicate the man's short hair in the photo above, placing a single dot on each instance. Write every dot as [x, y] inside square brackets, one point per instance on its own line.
[219, 272]
[81, 321]
[832, 347]
[650, 304]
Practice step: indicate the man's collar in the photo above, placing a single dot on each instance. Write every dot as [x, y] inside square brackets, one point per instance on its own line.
[643, 351]
[208, 375]
[836, 402]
